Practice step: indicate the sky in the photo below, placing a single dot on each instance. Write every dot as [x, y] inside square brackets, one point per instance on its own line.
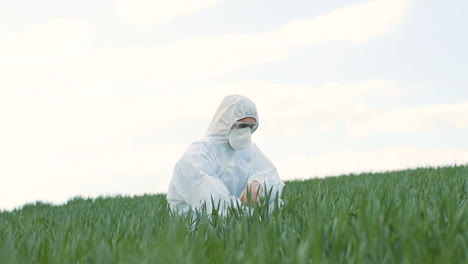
[103, 97]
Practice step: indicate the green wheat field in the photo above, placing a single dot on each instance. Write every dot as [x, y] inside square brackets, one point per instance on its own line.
[412, 216]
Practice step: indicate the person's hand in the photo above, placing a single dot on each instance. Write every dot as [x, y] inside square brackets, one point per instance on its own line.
[255, 192]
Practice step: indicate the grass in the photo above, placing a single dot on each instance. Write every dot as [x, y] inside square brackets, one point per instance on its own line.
[412, 216]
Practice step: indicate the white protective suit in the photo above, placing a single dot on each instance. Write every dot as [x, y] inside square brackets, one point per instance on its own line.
[212, 169]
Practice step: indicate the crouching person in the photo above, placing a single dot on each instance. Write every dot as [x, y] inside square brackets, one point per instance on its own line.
[225, 168]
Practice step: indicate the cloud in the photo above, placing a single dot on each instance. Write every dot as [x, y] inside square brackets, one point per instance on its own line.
[46, 39]
[191, 59]
[55, 146]
[153, 12]
[350, 161]
[66, 130]
[66, 64]
[211, 56]
[413, 119]
[56, 173]
[356, 24]
[322, 108]
[199, 58]
[29, 59]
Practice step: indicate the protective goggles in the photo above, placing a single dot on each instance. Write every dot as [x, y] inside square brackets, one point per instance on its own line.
[239, 125]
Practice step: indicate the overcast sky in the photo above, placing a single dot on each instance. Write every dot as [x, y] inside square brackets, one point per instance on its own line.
[102, 97]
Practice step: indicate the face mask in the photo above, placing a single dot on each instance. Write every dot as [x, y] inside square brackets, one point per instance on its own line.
[239, 139]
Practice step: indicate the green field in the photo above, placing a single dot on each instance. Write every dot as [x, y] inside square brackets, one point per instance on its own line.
[413, 216]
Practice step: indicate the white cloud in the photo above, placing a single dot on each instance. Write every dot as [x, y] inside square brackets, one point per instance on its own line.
[391, 158]
[190, 59]
[356, 24]
[45, 39]
[413, 119]
[28, 61]
[158, 11]
[55, 149]
[205, 57]
[323, 108]
[56, 173]
[49, 55]
[55, 145]
[65, 133]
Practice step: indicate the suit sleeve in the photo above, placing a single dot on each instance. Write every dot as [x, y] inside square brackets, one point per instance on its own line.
[265, 172]
[196, 183]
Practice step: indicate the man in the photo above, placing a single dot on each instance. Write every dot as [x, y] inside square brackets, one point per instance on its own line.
[224, 165]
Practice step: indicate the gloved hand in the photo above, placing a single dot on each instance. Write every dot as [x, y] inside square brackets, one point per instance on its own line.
[255, 193]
